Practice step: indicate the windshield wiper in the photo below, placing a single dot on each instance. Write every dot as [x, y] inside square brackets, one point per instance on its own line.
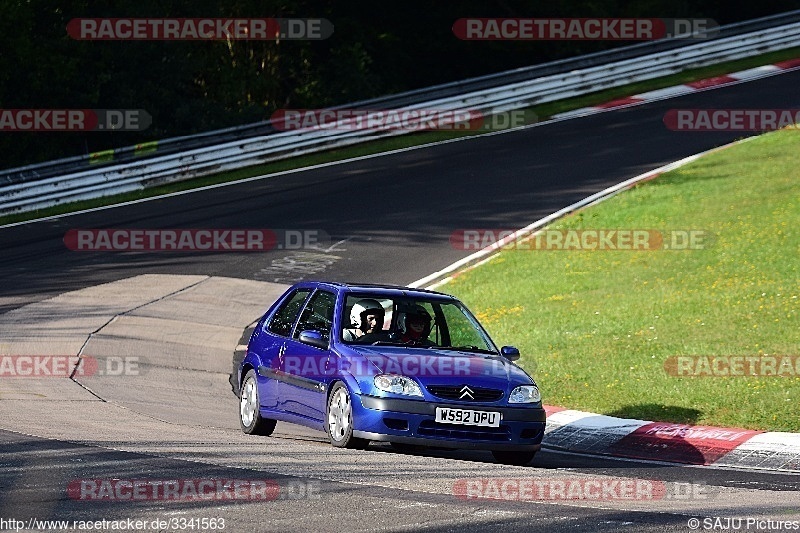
[470, 349]
[404, 344]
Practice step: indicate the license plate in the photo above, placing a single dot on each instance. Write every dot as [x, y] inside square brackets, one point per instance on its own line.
[467, 417]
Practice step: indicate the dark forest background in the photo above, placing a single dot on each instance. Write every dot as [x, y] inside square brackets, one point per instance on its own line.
[378, 47]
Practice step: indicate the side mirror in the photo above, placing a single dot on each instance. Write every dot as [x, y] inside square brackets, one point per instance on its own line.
[314, 338]
[510, 352]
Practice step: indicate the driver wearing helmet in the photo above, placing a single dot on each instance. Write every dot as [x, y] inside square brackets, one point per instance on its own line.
[415, 326]
[366, 319]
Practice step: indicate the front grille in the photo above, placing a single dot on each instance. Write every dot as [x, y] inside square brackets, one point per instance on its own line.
[396, 424]
[530, 433]
[465, 393]
[429, 428]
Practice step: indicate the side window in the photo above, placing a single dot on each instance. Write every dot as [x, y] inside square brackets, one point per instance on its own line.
[318, 314]
[282, 321]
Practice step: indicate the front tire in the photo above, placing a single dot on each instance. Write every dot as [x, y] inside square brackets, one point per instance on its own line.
[250, 418]
[513, 458]
[339, 419]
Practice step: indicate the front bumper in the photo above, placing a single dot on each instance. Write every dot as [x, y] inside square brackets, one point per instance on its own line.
[413, 422]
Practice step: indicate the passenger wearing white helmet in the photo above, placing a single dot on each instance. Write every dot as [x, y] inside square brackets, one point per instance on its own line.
[366, 318]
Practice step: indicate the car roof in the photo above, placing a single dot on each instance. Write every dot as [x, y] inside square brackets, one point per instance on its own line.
[376, 288]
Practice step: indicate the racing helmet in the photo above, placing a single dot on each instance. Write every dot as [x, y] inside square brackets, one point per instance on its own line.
[360, 309]
[415, 313]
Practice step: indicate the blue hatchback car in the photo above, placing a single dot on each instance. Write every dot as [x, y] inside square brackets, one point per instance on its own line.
[381, 363]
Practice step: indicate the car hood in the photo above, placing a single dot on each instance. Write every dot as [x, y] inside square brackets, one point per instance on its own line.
[431, 365]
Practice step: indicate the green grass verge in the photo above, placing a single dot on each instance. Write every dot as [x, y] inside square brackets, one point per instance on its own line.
[596, 327]
[540, 112]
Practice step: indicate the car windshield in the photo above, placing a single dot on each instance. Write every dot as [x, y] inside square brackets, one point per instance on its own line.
[416, 322]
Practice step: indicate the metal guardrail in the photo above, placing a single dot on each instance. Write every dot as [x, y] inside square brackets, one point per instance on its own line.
[178, 144]
[24, 192]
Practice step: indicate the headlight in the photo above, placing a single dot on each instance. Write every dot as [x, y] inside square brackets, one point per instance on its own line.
[525, 394]
[397, 384]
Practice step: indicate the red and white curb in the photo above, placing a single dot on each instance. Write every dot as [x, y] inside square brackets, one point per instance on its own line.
[578, 431]
[678, 90]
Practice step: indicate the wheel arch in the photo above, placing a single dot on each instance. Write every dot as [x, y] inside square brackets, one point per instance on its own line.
[245, 368]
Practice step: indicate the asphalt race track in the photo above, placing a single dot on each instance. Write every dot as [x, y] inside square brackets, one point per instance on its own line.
[397, 211]
[389, 219]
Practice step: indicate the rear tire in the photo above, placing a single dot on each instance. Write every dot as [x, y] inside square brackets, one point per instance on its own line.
[339, 419]
[250, 418]
[513, 458]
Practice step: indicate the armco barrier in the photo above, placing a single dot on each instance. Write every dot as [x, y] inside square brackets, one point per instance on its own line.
[210, 138]
[64, 187]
